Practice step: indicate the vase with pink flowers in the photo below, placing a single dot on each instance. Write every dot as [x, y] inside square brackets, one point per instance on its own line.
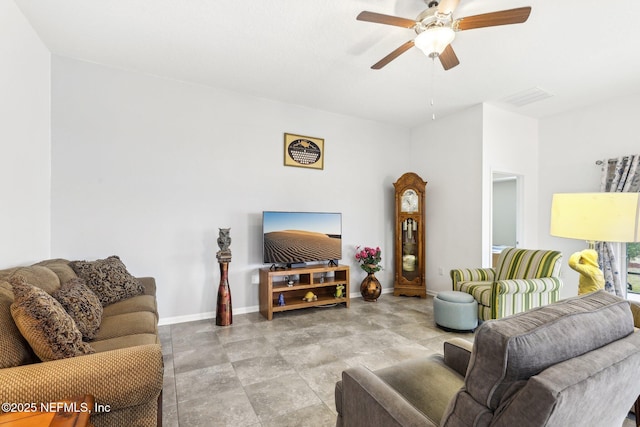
[369, 260]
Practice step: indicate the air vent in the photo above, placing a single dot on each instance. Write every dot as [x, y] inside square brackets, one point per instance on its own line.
[527, 97]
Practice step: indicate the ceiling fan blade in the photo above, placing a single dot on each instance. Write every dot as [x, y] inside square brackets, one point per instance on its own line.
[448, 58]
[393, 55]
[492, 19]
[379, 18]
[447, 6]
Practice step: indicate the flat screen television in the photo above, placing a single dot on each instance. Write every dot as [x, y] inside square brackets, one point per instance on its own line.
[293, 238]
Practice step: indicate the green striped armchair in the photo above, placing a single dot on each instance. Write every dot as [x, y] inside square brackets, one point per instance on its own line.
[522, 279]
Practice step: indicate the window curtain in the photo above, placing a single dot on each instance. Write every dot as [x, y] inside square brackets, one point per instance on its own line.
[618, 175]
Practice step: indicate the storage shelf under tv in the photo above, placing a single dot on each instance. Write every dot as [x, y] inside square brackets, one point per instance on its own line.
[319, 279]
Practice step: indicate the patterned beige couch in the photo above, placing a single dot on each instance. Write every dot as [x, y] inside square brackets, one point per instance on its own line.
[124, 372]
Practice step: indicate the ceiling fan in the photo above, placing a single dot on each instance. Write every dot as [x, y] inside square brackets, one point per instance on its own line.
[436, 29]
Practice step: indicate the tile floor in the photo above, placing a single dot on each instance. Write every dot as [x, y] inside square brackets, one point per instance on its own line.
[260, 373]
[282, 372]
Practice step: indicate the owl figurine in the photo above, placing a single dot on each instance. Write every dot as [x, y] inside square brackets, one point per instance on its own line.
[224, 241]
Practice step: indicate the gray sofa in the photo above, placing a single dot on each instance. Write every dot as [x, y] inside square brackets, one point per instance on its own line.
[574, 362]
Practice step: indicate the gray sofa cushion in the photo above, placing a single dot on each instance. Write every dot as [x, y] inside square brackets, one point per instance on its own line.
[368, 401]
[463, 411]
[412, 393]
[408, 378]
[513, 349]
[561, 394]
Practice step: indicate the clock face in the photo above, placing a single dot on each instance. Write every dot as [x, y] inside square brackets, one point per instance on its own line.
[409, 201]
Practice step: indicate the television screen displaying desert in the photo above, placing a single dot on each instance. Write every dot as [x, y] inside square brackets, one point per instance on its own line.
[292, 237]
[290, 246]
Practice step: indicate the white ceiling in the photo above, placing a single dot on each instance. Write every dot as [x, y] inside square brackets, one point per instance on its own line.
[314, 53]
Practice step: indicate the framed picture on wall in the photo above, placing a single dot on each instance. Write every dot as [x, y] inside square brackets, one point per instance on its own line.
[303, 151]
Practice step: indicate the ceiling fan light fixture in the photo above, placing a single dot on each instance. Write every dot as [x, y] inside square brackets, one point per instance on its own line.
[434, 40]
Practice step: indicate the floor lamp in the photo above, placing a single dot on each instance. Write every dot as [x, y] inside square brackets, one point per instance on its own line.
[596, 217]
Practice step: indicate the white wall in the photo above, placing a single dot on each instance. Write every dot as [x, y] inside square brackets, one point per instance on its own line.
[457, 155]
[150, 168]
[447, 153]
[570, 144]
[511, 146]
[554, 154]
[24, 141]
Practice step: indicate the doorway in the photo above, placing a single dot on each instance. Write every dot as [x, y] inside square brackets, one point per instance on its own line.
[505, 212]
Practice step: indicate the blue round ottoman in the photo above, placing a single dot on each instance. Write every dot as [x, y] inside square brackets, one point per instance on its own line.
[455, 310]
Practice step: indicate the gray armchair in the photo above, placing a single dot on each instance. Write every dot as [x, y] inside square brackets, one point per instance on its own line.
[557, 365]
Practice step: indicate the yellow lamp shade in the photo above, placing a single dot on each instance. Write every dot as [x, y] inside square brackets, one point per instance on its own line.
[600, 217]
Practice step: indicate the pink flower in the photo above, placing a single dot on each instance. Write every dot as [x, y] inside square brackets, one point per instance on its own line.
[369, 258]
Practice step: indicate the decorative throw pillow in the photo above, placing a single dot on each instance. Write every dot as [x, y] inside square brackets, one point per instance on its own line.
[49, 330]
[14, 349]
[83, 306]
[108, 279]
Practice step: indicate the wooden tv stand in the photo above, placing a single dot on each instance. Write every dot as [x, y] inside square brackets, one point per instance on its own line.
[319, 279]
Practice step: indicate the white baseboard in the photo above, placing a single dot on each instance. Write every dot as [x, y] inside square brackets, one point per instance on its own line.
[242, 310]
[202, 316]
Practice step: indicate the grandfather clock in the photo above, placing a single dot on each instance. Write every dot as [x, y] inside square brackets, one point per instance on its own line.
[410, 231]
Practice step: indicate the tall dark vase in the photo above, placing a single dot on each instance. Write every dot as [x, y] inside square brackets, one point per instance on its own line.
[224, 313]
[370, 288]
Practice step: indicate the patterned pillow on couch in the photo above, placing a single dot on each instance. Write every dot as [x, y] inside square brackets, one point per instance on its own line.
[14, 349]
[82, 304]
[108, 279]
[42, 321]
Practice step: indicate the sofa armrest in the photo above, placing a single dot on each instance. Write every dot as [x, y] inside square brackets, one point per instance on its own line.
[149, 284]
[472, 275]
[119, 378]
[457, 352]
[367, 401]
[528, 286]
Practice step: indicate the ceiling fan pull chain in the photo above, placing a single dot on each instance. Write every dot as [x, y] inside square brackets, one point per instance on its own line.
[433, 87]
